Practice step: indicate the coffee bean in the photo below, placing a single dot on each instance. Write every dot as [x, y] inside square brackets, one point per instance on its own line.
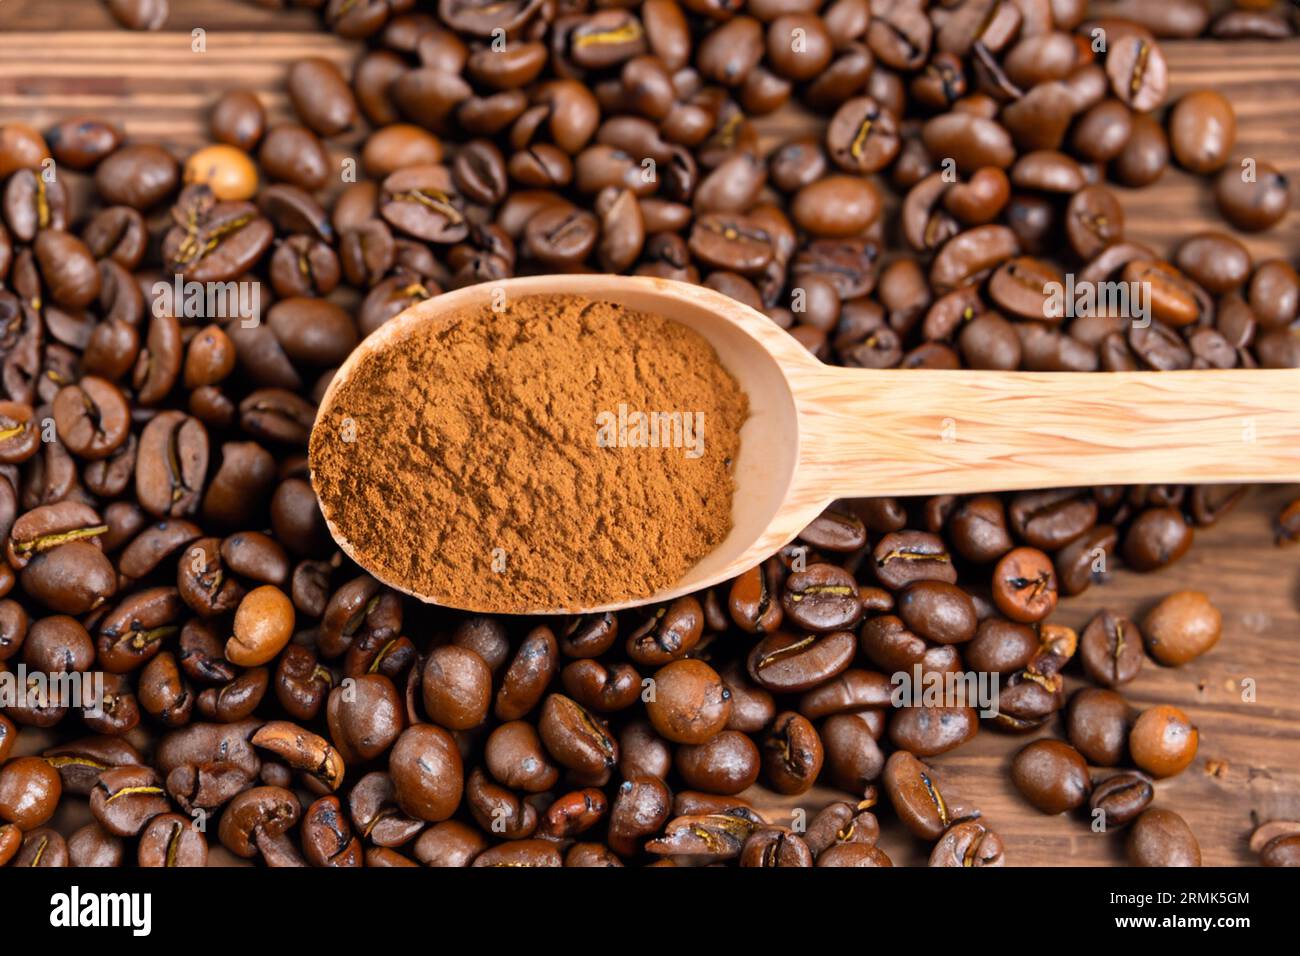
[786, 662]
[1024, 585]
[576, 738]
[938, 611]
[822, 598]
[138, 176]
[1157, 537]
[263, 625]
[1281, 851]
[1137, 71]
[29, 792]
[929, 731]
[125, 799]
[968, 843]
[1121, 798]
[1163, 741]
[914, 792]
[1051, 775]
[1182, 627]
[1202, 131]
[1097, 725]
[1162, 838]
[792, 754]
[427, 773]
[1110, 649]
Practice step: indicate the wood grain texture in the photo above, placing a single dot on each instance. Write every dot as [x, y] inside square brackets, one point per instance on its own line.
[910, 432]
[1248, 768]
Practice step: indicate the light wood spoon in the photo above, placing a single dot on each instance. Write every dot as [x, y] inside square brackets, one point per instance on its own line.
[817, 432]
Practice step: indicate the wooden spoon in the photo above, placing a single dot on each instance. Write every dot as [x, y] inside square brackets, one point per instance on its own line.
[817, 432]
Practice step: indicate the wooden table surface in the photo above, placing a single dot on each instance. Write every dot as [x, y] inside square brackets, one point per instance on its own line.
[62, 58]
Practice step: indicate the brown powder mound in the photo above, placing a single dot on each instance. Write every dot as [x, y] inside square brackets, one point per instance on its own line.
[477, 471]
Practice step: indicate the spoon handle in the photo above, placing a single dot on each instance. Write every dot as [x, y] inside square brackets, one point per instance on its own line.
[922, 432]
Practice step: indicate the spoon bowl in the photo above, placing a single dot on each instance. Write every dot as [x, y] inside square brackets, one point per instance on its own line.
[816, 433]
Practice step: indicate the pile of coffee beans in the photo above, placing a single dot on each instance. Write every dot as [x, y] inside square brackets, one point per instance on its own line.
[266, 695]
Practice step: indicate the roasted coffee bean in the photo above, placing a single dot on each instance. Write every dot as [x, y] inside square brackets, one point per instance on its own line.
[139, 176]
[852, 756]
[602, 688]
[752, 707]
[374, 812]
[1182, 627]
[669, 633]
[1162, 838]
[427, 773]
[754, 602]
[576, 738]
[792, 754]
[589, 635]
[904, 557]
[238, 119]
[853, 854]
[978, 529]
[773, 847]
[125, 799]
[929, 731]
[1163, 741]
[690, 703]
[822, 598]
[938, 611]
[256, 818]
[449, 843]
[520, 853]
[1137, 71]
[170, 839]
[1111, 650]
[1281, 851]
[968, 843]
[1051, 775]
[1202, 131]
[640, 809]
[92, 845]
[852, 691]
[1085, 560]
[914, 792]
[1156, 537]
[262, 627]
[71, 578]
[727, 763]
[787, 662]
[1255, 202]
[457, 686]
[1118, 800]
[528, 675]
[1097, 725]
[42, 847]
[29, 792]
[1024, 585]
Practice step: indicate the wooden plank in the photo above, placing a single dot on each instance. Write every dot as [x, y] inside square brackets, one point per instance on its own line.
[47, 15]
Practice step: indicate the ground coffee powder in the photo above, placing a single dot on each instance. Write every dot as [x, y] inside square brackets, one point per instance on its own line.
[558, 453]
